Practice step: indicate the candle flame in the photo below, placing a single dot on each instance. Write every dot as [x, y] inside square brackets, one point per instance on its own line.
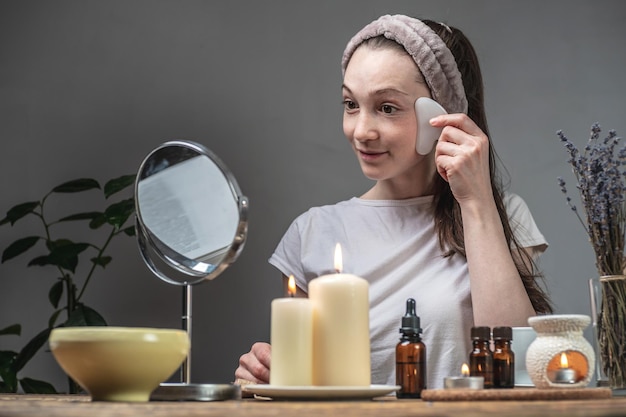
[465, 370]
[291, 286]
[338, 259]
[564, 362]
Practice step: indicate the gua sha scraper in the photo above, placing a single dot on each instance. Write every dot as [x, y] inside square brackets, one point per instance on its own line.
[425, 109]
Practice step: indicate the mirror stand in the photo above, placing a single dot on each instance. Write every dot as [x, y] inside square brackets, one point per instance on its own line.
[192, 222]
[186, 390]
[185, 370]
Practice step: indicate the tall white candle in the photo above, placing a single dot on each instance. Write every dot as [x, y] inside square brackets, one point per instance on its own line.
[341, 353]
[292, 340]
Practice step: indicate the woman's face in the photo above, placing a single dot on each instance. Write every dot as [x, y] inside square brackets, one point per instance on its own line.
[379, 92]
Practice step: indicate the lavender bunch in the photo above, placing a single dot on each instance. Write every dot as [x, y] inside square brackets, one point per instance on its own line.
[601, 181]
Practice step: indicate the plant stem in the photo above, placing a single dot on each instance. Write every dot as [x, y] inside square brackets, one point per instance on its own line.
[611, 335]
[94, 264]
[69, 284]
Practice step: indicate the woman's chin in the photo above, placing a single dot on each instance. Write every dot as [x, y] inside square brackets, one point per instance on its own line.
[374, 175]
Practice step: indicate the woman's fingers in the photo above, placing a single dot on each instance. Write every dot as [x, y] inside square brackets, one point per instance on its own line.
[462, 156]
[254, 366]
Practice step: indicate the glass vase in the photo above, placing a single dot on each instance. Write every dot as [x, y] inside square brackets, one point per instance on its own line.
[608, 313]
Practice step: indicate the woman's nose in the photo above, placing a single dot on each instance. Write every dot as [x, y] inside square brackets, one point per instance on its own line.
[364, 127]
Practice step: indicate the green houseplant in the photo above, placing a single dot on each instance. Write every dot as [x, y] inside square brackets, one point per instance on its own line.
[63, 255]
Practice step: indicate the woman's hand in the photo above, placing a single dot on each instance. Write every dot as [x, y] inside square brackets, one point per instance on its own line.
[254, 366]
[462, 157]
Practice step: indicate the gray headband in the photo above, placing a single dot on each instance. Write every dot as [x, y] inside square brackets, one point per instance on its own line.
[429, 52]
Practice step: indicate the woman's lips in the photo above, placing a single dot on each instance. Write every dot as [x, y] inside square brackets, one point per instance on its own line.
[370, 156]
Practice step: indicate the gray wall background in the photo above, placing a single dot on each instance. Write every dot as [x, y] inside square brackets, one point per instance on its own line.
[88, 88]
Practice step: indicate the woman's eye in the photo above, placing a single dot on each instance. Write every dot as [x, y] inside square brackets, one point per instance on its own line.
[349, 104]
[387, 109]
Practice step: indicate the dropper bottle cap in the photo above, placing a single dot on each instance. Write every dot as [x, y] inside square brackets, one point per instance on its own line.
[410, 320]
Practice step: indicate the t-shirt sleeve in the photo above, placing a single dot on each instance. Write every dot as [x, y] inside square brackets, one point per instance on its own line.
[523, 224]
[287, 255]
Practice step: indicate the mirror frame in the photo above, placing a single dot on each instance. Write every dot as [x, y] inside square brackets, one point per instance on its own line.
[148, 243]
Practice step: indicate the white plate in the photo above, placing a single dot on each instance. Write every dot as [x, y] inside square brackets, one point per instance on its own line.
[319, 392]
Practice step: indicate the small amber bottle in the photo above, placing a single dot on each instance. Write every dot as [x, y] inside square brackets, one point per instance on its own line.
[410, 356]
[503, 358]
[481, 357]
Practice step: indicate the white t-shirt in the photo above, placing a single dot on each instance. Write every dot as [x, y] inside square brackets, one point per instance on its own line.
[394, 246]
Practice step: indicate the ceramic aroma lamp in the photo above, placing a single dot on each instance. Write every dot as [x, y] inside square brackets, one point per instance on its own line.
[560, 356]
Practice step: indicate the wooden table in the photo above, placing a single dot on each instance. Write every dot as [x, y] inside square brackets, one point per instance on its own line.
[14, 405]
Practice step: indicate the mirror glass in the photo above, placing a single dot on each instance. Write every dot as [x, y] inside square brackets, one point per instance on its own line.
[191, 215]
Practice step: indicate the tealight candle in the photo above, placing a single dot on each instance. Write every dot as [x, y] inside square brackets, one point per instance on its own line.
[464, 381]
[292, 340]
[565, 374]
[341, 353]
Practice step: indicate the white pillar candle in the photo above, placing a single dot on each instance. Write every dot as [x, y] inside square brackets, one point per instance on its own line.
[292, 340]
[341, 353]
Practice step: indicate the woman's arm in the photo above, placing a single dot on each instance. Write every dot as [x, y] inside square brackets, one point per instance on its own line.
[462, 157]
[499, 297]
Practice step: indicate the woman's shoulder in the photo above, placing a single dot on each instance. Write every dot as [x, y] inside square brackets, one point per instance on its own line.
[514, 204]
[328, 210]
[522, 222]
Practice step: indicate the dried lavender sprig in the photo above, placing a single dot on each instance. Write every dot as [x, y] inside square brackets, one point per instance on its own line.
[601, 184]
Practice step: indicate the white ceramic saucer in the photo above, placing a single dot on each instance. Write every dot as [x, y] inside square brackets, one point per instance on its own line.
[319, 392]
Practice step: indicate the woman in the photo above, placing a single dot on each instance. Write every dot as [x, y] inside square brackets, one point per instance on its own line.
[437, 228]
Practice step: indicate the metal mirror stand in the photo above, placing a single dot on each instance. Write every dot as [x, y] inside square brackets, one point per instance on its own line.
[185, 193]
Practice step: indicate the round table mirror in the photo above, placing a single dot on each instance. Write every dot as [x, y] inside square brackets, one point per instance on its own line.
[191, 222]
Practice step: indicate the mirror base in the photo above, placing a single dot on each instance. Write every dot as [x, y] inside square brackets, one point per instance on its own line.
[196, 392]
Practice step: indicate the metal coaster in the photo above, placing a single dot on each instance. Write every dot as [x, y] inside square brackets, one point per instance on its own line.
[196, 392]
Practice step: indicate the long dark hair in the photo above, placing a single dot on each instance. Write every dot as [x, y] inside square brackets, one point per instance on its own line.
[447, 211]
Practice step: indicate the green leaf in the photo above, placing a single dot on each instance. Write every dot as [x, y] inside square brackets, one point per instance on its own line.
[15, 329]
[129, 231]
[6, 357]
[118, 184]
[4, 389]
[98, 221]
[18, 247]
[85, 316]
[81, 216]
[31, 348]
[68, 263]
[118, 213]
[55, 293]
[75, 186]
[63, 253]
[40, 261]
[19, 211]
[64, 247]
[35, 386]
[66, 256]
[52, 321]
[102, 261]
[7, 374]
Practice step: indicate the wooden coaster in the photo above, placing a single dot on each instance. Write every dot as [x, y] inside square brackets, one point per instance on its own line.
[516, 394]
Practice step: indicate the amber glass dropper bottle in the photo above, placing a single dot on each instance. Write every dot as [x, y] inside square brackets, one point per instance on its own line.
[481, 357]
[410, 356]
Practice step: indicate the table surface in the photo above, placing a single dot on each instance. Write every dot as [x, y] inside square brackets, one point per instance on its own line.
[22, 405]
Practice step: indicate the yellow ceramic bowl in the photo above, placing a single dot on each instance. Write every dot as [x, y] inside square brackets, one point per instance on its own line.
[119, 363]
